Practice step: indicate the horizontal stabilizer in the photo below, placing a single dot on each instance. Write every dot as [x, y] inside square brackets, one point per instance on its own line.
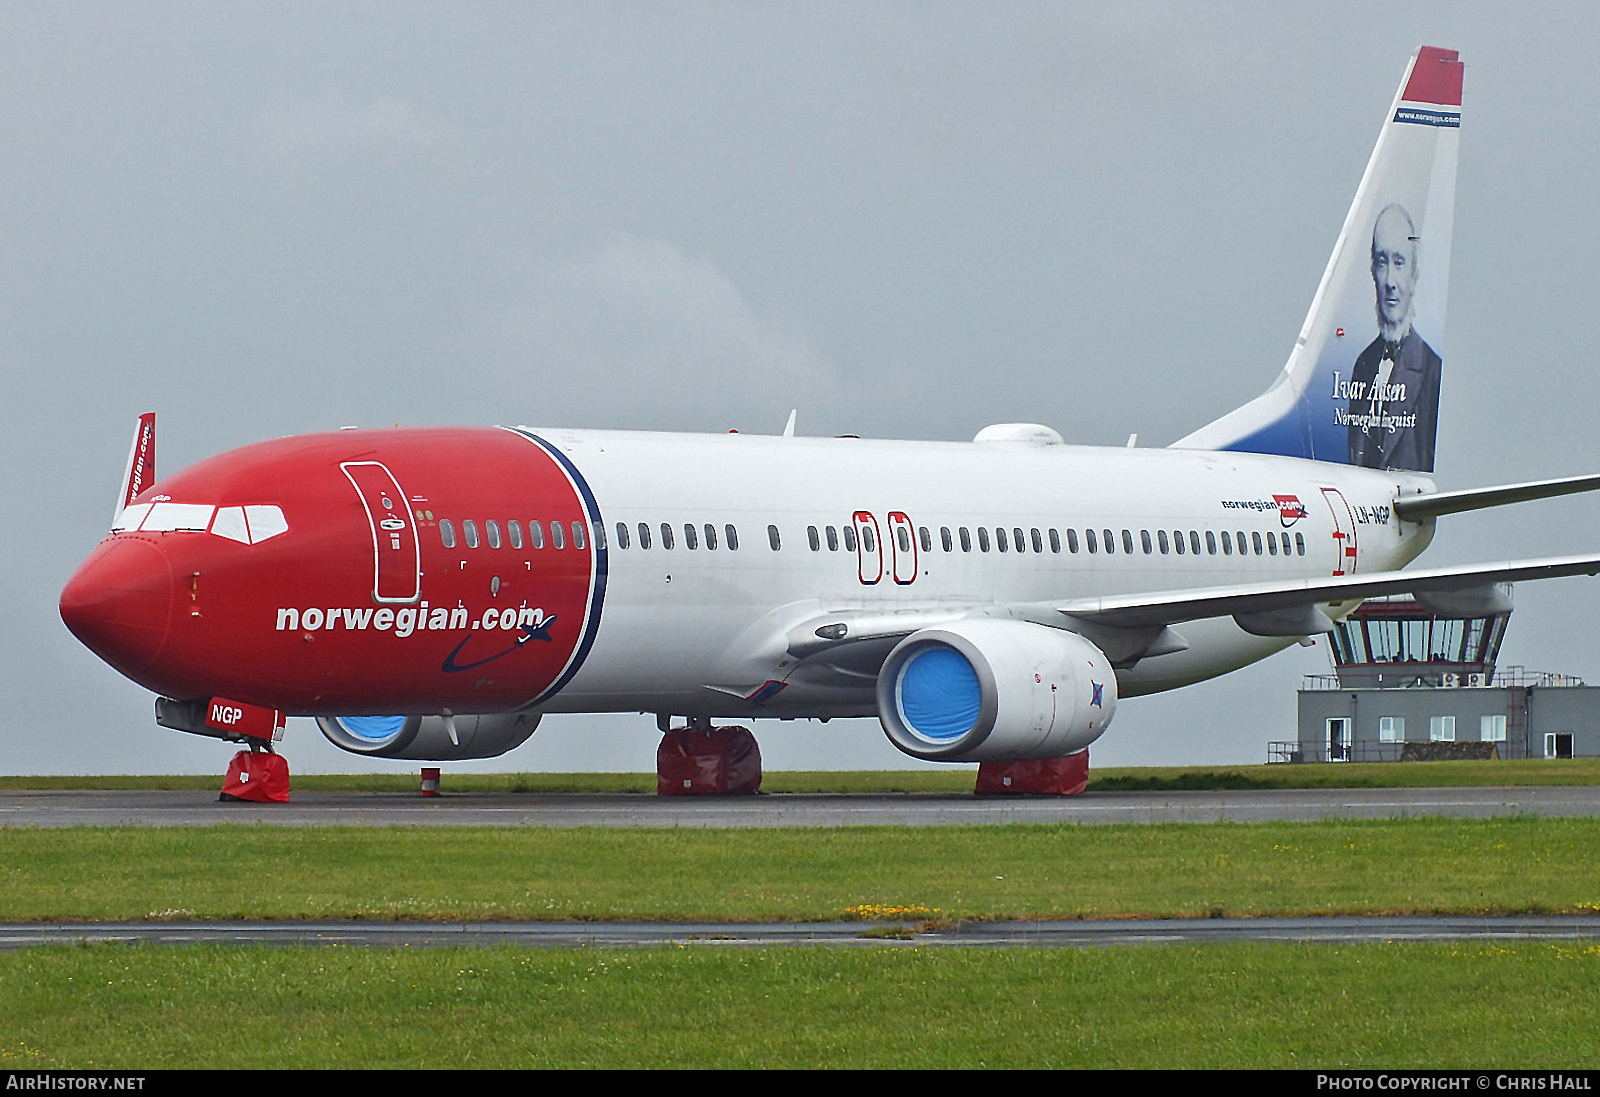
[1254, 601]
[1417, 508]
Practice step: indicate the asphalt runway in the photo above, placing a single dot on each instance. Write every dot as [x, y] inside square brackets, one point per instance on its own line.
[847, 934]
[180, 809]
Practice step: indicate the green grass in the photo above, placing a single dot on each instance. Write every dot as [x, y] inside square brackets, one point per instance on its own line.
[1051, 871]
[1400, 1005]
[1539, 771]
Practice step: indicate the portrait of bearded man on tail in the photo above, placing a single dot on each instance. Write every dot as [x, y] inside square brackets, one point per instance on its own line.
[1394, 403]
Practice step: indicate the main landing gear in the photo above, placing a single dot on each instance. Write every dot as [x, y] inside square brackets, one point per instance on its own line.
[698, 759]
[1067, 776]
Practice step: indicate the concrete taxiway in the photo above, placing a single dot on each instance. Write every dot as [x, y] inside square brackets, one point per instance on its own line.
[144, 808]
[968, 934]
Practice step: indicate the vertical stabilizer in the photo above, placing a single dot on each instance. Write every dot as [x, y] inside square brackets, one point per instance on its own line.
[141, 470]
[1362, 384]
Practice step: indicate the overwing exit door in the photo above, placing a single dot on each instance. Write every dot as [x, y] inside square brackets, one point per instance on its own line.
[869, 548]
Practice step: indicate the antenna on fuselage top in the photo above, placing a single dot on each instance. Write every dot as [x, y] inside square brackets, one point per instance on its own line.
[788, 428]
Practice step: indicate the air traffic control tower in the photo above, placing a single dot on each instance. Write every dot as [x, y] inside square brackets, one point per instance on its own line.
[1411, 682]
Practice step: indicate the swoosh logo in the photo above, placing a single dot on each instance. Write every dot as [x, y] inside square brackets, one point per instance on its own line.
[541, 631]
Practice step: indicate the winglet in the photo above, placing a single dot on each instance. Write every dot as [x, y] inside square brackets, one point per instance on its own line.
[141, 470]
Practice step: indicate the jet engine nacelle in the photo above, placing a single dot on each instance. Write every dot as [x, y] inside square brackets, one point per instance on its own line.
[986, 690]
[429, 738]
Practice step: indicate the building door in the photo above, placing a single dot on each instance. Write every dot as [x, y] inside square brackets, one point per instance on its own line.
[1558, 744]
[1339, 735]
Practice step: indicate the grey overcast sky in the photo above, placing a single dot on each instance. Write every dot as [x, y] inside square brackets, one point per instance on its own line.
[907, 220]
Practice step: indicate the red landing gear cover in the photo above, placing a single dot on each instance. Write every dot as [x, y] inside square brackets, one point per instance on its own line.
[721, 760]
[1067, 776]
[257, 775]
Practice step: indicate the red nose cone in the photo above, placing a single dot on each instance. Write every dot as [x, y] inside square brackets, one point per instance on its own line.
[119, 603]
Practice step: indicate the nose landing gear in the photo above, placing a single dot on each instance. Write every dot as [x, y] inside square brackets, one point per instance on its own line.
[257, 774]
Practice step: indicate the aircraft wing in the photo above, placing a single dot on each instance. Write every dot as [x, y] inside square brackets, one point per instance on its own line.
[1133, 626]
[1265, 604]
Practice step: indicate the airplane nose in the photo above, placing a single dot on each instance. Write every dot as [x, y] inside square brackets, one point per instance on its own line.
[119, 603]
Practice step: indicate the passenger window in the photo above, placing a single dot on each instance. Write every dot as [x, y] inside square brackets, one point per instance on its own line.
[1227, 544]
[732, 536]
[558, 537]
[711, 536]
[1241, 539]
[536, 535]
[1194, 542]
[777, 543]
[622, 535]
[983, 538]
[849, 538]
[966, 540]
[1109, 542]
[1037, 539]
[1017, 540]
[1000, 538]
[447, 533]
[1177, 541]
[666, 535]
[945, 539]
[644, 535]
[813, 539]
[1072, 540]
[1144, 540]
[1055, 541]
[868, 541]
[491, 533]
[514, 534]
[902, 538]
[1211, 542]
[833, 539]
[469, 530]
[600, 536]
[690, 541]
[1286, 544]
[1090, 541]
[1161, 541]
[1127, 542]
[1272, 545]
[927, 538]
[1256, 540]
[1299, 544]
[577, 535]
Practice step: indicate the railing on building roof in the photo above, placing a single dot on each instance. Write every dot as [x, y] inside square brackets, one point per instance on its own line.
[1512, 677]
